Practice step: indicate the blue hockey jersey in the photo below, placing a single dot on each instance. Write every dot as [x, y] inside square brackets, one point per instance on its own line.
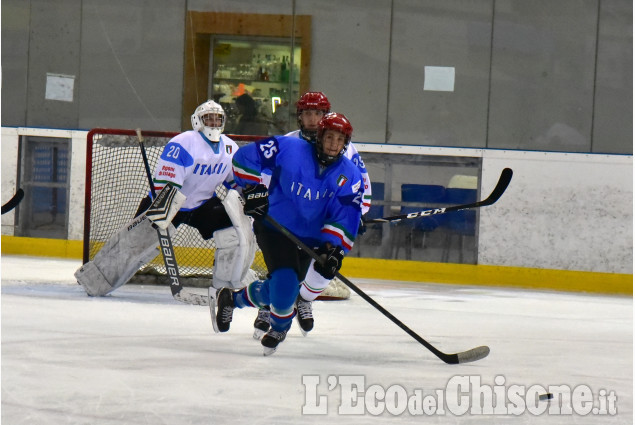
[318, 204]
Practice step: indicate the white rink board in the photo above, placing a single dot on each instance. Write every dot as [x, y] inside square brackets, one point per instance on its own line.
[561, 211]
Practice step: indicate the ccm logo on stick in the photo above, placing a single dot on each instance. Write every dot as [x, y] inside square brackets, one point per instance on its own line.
[426, 212]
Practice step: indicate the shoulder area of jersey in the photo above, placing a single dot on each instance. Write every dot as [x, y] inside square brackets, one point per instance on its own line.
[291, 139]
[347, 167]
[227, 140]
[189, 136]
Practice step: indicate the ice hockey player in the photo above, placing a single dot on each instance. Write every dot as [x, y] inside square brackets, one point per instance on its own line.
[315, 192]
[310, 109]
[191, 167]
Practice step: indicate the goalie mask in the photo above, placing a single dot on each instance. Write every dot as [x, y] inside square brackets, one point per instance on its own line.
[209, 119]
[325, 144]
[311, 101]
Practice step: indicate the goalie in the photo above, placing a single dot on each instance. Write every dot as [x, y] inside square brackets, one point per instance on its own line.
[191, 167]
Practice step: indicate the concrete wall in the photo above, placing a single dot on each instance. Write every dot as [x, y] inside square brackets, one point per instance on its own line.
[561, 211]
[533, 75]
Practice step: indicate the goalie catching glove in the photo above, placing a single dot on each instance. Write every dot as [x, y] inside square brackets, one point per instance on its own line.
[331, 260]
[256, 201]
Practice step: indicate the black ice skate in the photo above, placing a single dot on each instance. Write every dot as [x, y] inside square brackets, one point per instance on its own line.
[271, 340]
[305, 314]
[222, 318]
[261, 324]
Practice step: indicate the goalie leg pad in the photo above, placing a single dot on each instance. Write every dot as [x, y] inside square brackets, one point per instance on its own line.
[232, 259]
[124, 253]
[313, 284]
[235, 246]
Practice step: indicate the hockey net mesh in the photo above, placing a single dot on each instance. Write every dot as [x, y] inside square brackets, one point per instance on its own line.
[116, 184]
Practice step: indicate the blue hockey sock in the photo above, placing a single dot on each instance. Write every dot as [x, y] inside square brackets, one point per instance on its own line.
[256, 294]
[283, 290]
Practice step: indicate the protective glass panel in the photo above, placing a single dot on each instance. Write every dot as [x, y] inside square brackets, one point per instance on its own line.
[44, 168]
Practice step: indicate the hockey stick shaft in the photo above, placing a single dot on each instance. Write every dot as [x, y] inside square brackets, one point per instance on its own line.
[167, 250]
[463, 357]
[501, 186]
[13, 202]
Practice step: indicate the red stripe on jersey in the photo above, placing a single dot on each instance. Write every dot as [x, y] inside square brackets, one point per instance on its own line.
[337, 235]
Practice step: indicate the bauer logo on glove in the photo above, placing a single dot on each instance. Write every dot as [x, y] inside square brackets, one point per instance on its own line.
[256, 201]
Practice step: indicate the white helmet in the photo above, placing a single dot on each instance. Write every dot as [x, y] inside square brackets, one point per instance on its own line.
[198, 124]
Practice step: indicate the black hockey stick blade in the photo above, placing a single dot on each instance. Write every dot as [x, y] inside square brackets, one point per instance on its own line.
[501, 186]
[471, 355]
[13, 202]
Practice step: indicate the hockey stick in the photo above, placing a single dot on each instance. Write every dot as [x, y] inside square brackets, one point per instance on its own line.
[167, 250]
[471, 355]
[13, 202]
[503, 182]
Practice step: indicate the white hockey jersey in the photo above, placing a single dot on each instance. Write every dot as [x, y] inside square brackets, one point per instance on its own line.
[196, 166]
[352, 154]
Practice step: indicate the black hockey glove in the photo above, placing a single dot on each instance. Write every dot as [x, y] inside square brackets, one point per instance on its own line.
[362, 227]
[256, 201]
[332, 257]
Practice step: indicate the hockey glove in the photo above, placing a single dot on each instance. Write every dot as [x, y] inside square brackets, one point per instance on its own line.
[256, 201]
[362, 227]
[165, 206]
[331, 257]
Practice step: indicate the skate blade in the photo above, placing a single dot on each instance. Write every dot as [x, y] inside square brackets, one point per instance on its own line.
[258, 334]
[304, 333]
[268, 351]
[212, 307]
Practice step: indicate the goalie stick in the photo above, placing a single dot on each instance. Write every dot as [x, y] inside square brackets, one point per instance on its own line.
[471, 355]
[13, 202]
[501, 186]
[167, 250]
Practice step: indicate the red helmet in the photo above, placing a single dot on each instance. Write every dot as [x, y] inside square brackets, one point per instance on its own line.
[313, 100]
[339, 123]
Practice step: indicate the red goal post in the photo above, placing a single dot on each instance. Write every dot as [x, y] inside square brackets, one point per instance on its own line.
[116, 182]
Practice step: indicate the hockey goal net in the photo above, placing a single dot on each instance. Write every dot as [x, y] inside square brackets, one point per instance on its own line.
[116, 182]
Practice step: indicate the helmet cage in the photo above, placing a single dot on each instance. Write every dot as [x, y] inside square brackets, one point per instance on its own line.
[198, 122]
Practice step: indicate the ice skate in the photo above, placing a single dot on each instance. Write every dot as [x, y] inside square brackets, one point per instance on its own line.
[224, 303]
[305, 315]
[271, 340]
[261, 324]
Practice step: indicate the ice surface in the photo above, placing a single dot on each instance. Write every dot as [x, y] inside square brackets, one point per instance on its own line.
[140, 357]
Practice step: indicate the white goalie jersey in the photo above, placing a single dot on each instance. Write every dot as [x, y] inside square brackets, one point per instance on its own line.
[195, 168]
